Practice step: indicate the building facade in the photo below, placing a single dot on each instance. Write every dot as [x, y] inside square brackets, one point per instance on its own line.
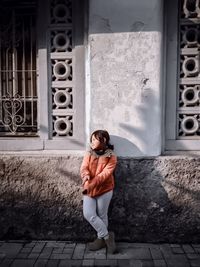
[69, 67]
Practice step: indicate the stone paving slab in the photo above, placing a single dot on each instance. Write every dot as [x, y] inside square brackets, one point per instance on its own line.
[160, 263]
[40, 263]
[156, 254]
[131, 253]
[98, 255]
[10, 249]
[6, 262]
[68, 254]
[79, 251]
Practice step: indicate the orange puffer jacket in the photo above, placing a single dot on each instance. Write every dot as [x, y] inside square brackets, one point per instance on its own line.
[100, 168]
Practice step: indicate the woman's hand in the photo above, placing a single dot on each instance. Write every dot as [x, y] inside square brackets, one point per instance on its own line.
[85, 179]
[85, 184]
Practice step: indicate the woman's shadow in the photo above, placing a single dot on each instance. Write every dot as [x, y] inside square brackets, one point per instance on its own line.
[124, 147]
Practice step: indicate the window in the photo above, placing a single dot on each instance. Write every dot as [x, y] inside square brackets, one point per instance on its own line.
[41, 74]
[183, 75]
[18, 114]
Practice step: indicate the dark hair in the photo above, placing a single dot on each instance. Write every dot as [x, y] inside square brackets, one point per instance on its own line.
[101, 135]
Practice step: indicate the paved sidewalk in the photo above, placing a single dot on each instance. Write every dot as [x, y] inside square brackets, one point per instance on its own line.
[66, 254]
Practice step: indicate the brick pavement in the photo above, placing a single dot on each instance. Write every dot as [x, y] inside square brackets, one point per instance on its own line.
[67, 254]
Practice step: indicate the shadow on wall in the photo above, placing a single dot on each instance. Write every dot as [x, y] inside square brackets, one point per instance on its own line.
[155, 201]
[124, 146]
[143, 131]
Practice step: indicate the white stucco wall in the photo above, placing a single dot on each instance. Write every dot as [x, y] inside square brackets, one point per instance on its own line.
[124, 83]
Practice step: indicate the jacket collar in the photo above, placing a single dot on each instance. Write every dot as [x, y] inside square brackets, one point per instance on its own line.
[108, 153]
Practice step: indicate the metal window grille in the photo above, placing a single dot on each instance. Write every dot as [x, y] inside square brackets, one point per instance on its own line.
[188, 111]
[18, 68]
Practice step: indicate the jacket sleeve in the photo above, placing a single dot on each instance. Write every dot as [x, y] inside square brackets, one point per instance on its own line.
[105, 174]
[84, 169]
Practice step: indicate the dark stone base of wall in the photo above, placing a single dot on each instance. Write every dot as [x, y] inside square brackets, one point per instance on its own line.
[155, 199]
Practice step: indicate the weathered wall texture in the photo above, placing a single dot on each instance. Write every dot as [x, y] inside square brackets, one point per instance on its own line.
[125, 40]
[155, 199]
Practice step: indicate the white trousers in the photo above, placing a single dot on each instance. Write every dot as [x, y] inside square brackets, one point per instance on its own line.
[95, 211]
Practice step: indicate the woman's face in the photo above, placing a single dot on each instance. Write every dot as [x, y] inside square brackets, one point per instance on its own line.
[95, 143]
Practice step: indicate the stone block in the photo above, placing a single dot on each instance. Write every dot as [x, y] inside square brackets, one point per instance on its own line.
[159, 263]
[156, 254]
[79, 252]
[23, 263]
[11, 249]
[40, 263]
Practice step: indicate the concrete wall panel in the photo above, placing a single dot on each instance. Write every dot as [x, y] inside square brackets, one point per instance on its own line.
[125, 39]
[155, 199]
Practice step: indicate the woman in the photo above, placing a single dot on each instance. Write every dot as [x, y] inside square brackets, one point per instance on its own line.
[98, 183]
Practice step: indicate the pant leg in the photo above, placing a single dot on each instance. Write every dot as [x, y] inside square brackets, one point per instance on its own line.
[103, 203]
[90, 214]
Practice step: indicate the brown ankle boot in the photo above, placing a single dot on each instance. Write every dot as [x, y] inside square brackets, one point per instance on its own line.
[97, 244]
[110, 243]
